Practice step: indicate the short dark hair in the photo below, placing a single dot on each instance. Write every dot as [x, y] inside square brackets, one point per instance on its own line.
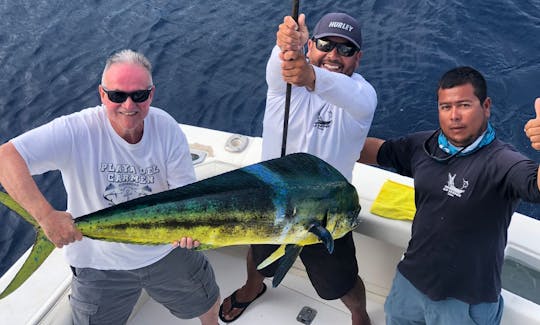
[465, 75]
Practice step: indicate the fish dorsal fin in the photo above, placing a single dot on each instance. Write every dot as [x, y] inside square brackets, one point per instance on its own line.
[291, 253]
[323, 234]
[280, 251]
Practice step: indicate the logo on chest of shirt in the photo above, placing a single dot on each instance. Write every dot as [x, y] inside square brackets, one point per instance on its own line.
[451, 188]
[127, 182]
[324, 118]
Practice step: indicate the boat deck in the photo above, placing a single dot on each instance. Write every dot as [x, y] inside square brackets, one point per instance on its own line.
[279, 305]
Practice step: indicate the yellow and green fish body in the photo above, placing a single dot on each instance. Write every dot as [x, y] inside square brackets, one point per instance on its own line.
[295, 200]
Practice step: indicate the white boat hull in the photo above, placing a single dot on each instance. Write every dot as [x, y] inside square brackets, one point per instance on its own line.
[380, 243]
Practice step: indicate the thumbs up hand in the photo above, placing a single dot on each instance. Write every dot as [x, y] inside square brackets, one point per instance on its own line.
[532, 128]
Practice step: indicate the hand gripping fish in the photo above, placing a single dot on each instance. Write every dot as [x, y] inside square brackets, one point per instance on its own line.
[292, 201]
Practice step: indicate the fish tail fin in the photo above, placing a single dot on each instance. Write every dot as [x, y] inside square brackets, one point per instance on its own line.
[6, 200]
[41, 250]
[291, 253]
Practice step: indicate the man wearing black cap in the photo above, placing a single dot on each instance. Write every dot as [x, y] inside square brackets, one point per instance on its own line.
[330, 114]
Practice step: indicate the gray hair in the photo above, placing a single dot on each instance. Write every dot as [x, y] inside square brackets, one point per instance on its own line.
[128, 56]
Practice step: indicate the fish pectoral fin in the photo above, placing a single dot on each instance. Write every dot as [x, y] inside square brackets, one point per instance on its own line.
[291, 253]
[324, 235]
[280, 251]
[41, 250]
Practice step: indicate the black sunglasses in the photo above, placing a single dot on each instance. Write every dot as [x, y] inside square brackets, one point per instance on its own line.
[118, 97]
[343, 49]
[432, 153]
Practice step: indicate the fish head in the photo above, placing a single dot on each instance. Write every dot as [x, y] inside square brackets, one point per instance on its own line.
[337, 210]
[344, 215]
[341, 222]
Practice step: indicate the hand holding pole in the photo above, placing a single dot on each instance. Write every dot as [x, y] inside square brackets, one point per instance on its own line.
[296, 4]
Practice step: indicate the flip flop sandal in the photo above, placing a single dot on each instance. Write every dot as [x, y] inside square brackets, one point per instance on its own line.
[238, 305]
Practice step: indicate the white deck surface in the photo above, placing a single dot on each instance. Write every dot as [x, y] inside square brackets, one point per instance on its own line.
[278, 305]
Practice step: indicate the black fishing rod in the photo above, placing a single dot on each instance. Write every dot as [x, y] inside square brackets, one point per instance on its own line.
[296, 4]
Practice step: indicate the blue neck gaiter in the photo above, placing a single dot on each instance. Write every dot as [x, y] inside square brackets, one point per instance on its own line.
[486, 138]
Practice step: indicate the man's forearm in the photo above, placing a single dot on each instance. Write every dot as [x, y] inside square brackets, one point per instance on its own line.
[370, 151]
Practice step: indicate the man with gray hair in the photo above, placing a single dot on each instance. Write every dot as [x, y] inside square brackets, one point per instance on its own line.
[111, 153]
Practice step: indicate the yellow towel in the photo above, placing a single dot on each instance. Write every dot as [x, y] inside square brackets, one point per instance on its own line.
[395, 201]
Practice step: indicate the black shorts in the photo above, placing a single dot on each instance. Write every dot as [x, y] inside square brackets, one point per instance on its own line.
[332, 275]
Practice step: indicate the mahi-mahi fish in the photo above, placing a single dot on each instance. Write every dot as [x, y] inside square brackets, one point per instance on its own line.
[292, 201]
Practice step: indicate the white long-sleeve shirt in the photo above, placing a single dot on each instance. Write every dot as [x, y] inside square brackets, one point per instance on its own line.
[330, 122]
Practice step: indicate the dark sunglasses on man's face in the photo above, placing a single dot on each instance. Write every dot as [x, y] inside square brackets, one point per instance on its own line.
[119, 97]
[343, 49]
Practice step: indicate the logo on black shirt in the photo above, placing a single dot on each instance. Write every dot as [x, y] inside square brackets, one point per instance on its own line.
[451, 187]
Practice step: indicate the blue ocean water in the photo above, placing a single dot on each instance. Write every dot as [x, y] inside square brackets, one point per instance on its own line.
[209, 60]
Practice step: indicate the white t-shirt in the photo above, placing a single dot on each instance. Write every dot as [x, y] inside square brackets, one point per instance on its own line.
[330, 122]
[100, 169]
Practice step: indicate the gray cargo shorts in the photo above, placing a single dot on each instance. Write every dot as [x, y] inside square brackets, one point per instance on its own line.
[183, 282]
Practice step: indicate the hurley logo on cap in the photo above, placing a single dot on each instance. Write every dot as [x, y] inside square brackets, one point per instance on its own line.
[338, 24]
